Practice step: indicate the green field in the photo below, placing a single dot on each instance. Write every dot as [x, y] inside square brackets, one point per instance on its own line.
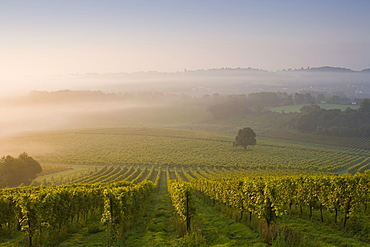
[158, 146]
[296, 108]
[186, 152]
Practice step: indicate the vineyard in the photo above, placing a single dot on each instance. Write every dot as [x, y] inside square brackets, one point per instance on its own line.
[161, 187]
[349, 142]
[116, 196]
[156, 146]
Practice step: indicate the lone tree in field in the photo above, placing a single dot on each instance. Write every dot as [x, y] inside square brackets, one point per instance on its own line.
[245, 137]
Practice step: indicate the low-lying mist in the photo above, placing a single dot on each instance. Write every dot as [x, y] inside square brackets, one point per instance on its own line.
[42, 111]
[155, 98]
[201, 82]
[23, 118]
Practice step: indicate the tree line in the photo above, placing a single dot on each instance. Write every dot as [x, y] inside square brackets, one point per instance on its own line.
[311, 118]
[17, 171]
[238, 105]
[350, 122]
[224, 106]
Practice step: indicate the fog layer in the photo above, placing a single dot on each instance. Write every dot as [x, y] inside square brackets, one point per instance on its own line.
[143, 98]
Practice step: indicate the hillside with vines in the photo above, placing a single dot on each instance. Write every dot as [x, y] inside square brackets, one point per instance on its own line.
[136, 186]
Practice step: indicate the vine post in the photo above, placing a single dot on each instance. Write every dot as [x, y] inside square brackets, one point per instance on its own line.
[187, 211]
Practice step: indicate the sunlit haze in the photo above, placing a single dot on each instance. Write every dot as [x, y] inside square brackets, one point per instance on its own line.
[42, 39]
[170, 47]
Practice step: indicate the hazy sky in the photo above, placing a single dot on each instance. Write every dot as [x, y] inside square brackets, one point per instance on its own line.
[52, 37]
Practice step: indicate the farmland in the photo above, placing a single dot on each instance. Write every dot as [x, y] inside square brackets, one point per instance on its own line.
[185, 124]
[104, 157]
[158, 146]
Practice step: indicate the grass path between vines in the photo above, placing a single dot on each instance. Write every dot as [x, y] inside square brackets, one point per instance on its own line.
[220, 230]
[319, 235]
[157, 227]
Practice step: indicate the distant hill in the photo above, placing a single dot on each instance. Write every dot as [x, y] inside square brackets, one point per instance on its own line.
[316, 80]
[313, 69]
[330, 69]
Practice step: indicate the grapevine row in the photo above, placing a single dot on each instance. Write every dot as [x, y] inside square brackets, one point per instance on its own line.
[269, 197]
[44, 211]
[182, 200]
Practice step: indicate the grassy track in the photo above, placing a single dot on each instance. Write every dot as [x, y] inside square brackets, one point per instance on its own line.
[219, 230]
[157, 227]
[310, 233]
[86, 236]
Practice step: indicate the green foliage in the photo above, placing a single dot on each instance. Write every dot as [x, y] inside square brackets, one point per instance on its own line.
[365, 107]
[350, 122]
[192, 239]
[241, 105]
[40, 212]
[44, 213]
[297, 108]
[269, 197]
[20, 170]
[245, 137]
[181, 194]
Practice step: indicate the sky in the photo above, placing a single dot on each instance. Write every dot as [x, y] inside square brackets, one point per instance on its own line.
[52, 37]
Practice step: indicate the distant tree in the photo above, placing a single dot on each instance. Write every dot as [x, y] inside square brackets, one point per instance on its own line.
[321, 98]
[288, 100]
[350, 122]
[245, 137]
[20, 170]
[309, 108]
[229, 106]
[365, 130]
[309, 99]
[365, 107]
[299, 98]
[306, 98]
[335, 99]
